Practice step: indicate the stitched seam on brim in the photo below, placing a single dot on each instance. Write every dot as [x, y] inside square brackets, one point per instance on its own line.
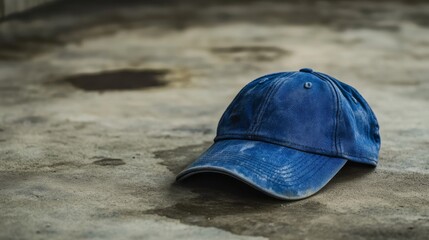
[297, 181]
[250, 160]
[283, 143]
[281, 183]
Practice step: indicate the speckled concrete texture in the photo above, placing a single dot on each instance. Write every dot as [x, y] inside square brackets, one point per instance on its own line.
[102, 103]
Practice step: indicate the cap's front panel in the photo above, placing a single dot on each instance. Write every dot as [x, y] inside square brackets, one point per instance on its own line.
[301, 114]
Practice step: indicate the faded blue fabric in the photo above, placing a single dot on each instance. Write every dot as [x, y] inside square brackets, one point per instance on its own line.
[289, 133]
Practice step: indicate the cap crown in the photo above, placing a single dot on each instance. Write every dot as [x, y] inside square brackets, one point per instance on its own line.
[308, 111]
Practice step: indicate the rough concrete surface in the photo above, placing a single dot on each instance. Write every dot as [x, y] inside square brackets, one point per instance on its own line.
[103, 102]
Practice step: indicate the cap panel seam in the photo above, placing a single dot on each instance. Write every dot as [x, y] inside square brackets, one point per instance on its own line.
[275, 89]
[233, 102]
[258, 111]
[338, 85]
[337, 110]
[256, 122]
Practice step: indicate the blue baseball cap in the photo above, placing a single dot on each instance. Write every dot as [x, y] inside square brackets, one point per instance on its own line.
[288, 134]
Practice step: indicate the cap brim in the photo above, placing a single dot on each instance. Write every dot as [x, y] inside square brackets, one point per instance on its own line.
[276, 170]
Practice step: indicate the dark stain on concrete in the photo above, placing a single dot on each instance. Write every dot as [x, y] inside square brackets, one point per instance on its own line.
[109, 162]
[119, 80]
[257, 53]
[61, 165]
[220, 197]
[64, 164]
[177, 159]
[226, 203]
[23, 48]
[30, 120]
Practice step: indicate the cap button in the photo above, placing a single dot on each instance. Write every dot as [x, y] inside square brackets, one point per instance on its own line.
[307, 70]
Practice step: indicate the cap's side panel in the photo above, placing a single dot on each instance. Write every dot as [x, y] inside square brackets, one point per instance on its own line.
[240, 114]
[358, 127]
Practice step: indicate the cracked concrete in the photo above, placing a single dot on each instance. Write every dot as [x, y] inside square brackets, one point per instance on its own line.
[98, 114]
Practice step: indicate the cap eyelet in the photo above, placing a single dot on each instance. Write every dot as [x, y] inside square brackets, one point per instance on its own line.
[308, 85]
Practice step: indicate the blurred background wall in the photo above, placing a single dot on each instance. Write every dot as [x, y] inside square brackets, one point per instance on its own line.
[8, 7]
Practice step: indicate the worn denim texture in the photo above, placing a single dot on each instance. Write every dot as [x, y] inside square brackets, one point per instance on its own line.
[289, 133]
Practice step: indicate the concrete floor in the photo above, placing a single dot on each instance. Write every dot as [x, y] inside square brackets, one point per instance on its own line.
[102, 103]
